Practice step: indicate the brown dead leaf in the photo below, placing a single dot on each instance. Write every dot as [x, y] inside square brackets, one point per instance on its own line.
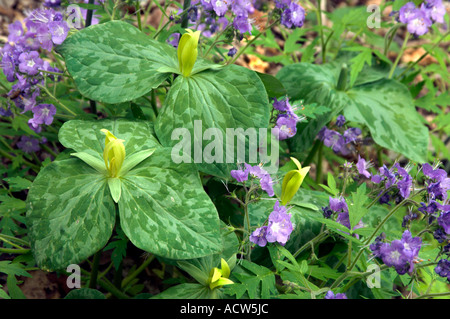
[256, 64]
[414, 54]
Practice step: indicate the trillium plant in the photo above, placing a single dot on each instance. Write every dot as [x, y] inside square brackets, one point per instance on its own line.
[237, 149]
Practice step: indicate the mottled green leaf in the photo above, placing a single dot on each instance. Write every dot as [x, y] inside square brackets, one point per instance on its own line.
[164, 209]
[387, 109]
[85, 136]
[186, 291]
[312, 84]
[85, 293]
[233, 97]
[114, 62]
[70, 214]
[384, 106]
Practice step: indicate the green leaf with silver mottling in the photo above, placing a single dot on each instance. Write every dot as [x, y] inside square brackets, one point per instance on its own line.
[164, 209]
[115, 187]
[85, 136]
[188, 291]
[132, 160]
[312, 84]
[70, 214]
[387, 109]
[85, 293]
[200, 268]
[92, 161]
[384, 106]
[233, 97]
[114, 62]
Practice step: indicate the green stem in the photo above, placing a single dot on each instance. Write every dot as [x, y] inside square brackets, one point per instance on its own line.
[249, 43]
[14, 250]
[31, 165]
[319, 164]
[439, 294]
[423, 55]
[316, 239]
[319, 19]
[49, 150]
[89, 14]
[216, 40]
[11, 238]
[312, 153]
[185, 18]
[141, 268]
[94, 271]
[394, 66]
[138, 14]
[56, 100]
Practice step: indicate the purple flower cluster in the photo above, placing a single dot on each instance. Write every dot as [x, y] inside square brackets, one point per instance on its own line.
[331, 295]
[339, 208]
[396, 177]
[292, 14]
[21, 61]
[208, 16]
[443, 268]
[278, 229]
[286, 122]
[257, 172]
[419, 20]
[28, 144]
[339, 142]
[401, 254]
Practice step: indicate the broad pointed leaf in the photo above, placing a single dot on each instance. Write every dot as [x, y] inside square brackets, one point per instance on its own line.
[114, 62]
[164, 209]
[70, 214]
[233, 97]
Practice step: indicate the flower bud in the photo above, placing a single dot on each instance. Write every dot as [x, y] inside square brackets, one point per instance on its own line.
[219, 277]
[292, 181]
[187, 51]
[113, 154]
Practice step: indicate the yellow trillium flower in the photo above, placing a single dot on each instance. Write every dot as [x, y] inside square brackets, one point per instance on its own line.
[292, 181]
[187, 51]
[113, 154]
[219, 277]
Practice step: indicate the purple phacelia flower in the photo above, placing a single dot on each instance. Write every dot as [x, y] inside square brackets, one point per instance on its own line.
[418, 23]
[258, 237]
[443, 268]
[220, 7]
[406, 12]
[444, 221]
[363, 167]
[287, 127]
[28, 144]
[280, 226]
[30, 62]
[340, 120]
[331, 295]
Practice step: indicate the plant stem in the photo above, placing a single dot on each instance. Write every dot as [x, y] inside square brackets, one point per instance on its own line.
[89, 14]
[312, 153]
[14, 250]
[439, 294]
[249, 43]
[141, 268]
[94, 271]
[423, 55]
[319, 19]
[56, 100]
[185, 18]
[138, 14]
[319, 164]
[316, 239]
[31, 165]
[394, 66]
